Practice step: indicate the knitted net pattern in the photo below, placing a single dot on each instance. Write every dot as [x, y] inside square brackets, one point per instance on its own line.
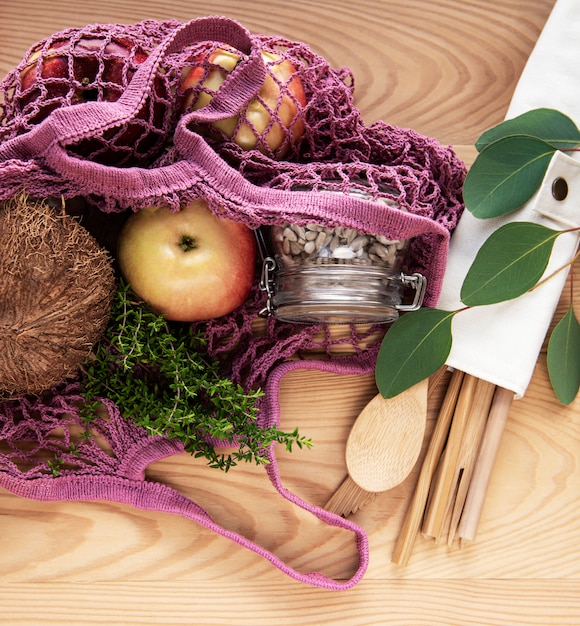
[46, 436]
[94, 63]
[133, 107]
[49, 452]
[248, 357]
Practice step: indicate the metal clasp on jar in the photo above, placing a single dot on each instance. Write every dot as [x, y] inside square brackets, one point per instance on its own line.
[415, 281]
[268, 285]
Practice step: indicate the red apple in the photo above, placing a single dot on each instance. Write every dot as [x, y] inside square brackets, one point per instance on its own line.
[268, 118]
[54, 71]
[189, 265]
[71, 72]
[85, 65]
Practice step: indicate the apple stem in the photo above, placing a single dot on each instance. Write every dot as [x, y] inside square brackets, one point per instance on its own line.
[187, 243]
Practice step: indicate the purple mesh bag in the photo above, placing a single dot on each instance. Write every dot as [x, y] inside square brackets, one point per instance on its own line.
[110, 125]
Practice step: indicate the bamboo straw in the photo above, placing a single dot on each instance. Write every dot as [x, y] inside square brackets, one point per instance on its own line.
[414, 515]
[441, 497]
[498, 415]
[454, 478]
[470, 445]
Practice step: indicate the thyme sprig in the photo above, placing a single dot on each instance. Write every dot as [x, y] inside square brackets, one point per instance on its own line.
[159, 375]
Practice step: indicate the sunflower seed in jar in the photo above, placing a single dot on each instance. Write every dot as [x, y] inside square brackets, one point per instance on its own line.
[358, 243]
[295, 248]
[300, 232]
[350, 235]
[334, 242]
[290, 234]
[309, 246]
[322, 240]
[316, 244]
[380, 251]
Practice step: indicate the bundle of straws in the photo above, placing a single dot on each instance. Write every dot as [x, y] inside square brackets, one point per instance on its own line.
[454, 476]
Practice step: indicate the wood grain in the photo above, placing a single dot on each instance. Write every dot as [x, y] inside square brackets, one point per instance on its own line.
[401, 602]
[447, 69]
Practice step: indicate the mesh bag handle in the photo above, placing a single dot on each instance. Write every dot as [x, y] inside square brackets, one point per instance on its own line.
[68, 125]
[119, 475]
[204, 171]
[197, 170]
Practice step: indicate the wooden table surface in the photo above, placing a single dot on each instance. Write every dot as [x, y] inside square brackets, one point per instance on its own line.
[446, 68]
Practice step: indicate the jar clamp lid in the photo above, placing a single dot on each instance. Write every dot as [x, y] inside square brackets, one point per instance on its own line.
[316, 274]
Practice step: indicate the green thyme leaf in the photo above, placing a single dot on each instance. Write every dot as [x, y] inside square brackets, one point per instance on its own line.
[505, 175]
[415, 347]
[549, 125]
[564, 358]
[509, 263]
[160, 376]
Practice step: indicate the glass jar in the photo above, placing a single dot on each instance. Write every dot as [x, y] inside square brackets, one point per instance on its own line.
[315, 274]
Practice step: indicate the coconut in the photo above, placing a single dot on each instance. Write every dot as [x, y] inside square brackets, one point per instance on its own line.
[56, 289]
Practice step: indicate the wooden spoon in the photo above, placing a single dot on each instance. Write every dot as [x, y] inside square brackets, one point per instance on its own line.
[382, 448]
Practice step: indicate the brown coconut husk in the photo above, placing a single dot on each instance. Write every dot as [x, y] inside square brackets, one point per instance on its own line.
[56, 289]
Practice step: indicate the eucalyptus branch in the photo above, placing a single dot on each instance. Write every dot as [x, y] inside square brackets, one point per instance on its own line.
[565, 266]
[510, 167]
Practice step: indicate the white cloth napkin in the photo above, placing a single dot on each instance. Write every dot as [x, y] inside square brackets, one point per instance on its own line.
[500, 343]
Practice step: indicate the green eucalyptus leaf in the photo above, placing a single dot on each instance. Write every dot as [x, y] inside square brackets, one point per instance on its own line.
[415, 347]
[550, 125]
[505, 175]
[509, 263]
[564, 358]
